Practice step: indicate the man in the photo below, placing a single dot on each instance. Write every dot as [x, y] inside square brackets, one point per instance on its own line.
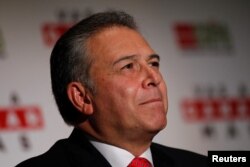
[107, 84]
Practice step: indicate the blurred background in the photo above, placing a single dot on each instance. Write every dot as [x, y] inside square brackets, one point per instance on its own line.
[204, 47]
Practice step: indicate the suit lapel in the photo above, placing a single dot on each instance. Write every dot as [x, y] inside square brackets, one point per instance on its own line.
[83, 153]
[160, 158]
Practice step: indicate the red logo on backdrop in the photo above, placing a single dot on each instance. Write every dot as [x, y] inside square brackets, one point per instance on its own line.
[216, 109]
[211, 36]
[21, 118]
[52, 31]
[185, 34]
[214, 105]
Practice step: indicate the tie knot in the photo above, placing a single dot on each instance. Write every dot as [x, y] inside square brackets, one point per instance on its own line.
[140, 162]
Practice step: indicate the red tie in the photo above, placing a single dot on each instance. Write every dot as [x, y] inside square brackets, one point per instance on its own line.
[140, 162]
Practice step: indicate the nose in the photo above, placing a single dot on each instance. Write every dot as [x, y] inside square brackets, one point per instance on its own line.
[152, 77]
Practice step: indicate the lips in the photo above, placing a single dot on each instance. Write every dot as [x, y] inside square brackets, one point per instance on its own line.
[155, 100]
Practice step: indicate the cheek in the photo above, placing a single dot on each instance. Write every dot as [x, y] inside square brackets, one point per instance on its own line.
[130, 88]
[130, 91]
[165, 95]
[164, 88]
[116, 91]
[124, 95]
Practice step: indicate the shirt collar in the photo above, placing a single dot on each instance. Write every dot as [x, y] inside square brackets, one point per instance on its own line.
[117, 156]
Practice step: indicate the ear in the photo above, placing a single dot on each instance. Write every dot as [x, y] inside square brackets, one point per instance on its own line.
[80, 98]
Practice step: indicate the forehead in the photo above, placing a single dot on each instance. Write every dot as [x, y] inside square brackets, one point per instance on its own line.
[112, 43]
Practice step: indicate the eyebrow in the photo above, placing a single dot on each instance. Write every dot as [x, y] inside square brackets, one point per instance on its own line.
[154, 56]
[131, 57]
[124, 58]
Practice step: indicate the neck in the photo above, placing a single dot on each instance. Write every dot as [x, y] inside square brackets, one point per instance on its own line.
[135, 144]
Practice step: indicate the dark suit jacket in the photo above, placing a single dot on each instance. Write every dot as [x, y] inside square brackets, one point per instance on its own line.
[77, 151]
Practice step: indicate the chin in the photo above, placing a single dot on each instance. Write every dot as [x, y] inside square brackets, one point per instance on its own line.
[157, 126]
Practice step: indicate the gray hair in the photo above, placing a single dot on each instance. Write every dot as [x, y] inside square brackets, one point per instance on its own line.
[70, 60]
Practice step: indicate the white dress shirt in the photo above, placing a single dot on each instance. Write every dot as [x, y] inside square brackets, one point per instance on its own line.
[119, 157]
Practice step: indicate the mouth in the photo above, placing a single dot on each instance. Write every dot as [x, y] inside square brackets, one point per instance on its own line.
[157, 100]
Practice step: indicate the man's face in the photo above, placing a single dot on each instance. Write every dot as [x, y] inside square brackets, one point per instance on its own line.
[130, 96]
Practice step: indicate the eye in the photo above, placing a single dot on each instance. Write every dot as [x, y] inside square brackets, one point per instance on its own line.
[128, 66]
[155, 64]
